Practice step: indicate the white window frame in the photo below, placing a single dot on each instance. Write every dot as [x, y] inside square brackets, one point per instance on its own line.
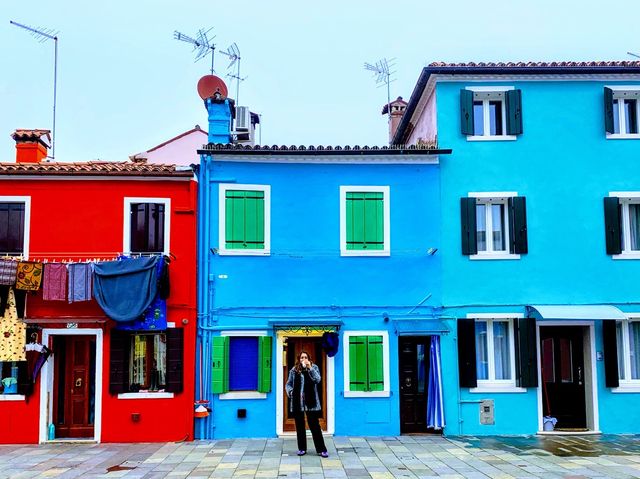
[386, 392]
[492, 384]
[27, 221]
[386, 209]
[243, 394]
[626, 385]
[489, 198]
[222, 214]
[622, 93]
[487, 94]
[626, 198]
[128, 201]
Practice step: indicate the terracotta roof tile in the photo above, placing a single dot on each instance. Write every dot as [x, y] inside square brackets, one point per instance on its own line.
[93, 168]
[23, 134]
[569, 64]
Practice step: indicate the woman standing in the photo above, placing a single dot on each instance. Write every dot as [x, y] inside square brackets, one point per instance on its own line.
[302, 389]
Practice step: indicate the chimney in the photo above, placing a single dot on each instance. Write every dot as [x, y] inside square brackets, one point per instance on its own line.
[398, 107]
[214, 93]
[32, 146]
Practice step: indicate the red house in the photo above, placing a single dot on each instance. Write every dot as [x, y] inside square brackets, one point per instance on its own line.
[100, 383]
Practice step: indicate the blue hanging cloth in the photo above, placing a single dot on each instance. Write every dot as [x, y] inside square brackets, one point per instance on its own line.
[435, 401]
[124, 289]
[155, 316]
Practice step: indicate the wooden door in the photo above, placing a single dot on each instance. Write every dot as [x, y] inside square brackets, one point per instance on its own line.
[74, 386]
[292, 348]
[414, 369]
[563, 375]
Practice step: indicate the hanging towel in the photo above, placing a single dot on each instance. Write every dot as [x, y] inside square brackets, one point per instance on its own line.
[124, 289]
[8, 271]
[54, 284]
[13, 333]
[79, 282]
[29, 276]
[35, 360]
[155, 316]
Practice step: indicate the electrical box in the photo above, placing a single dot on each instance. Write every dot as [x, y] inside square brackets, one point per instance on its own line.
[486, 412]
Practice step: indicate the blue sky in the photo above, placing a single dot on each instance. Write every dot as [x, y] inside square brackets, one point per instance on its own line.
[125, 85]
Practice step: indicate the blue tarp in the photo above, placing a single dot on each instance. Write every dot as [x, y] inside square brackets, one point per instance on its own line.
[125, 289]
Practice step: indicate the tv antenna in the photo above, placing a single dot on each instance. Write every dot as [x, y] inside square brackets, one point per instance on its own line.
[233, 53]
[202, 44]
[633, 54]
[382, 72]
[42, 35]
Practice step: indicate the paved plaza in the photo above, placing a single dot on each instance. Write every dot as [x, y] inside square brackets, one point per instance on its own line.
[352, 457]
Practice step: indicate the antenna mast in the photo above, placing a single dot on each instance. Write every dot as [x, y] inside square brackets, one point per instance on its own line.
[633, 54]
[233, 53]
[42, 35]
[382, 72]
[202, 44]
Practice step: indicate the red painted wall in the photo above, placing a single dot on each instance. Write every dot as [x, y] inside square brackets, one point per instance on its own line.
[79, 219]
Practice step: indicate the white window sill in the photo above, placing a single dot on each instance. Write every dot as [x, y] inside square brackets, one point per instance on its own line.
[12, 397]
[366, 394]
[627, 388]
[497, 389]
[623, 136]
[482, 256]
[147, 395]
[378, 252]
[242, 395]
[244, 252]
[492, 137]
[629, 255]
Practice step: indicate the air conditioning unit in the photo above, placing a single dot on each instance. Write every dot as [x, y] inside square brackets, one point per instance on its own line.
[243, 118]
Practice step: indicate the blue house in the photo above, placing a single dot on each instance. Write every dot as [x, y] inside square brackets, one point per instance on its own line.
[540, 247]
[297, 243]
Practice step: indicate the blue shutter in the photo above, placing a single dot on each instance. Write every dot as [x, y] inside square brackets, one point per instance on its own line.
[243, 364]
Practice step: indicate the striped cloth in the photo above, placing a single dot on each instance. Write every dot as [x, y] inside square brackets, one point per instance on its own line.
[54, 285]
[8, 270]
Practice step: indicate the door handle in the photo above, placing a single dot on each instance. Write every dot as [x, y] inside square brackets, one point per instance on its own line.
[79, 382]
[580, 375]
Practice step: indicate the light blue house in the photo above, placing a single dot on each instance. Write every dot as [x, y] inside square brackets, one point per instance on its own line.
[296, 243]
[540, 248]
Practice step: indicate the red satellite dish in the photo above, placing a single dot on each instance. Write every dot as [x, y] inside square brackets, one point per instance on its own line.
[210, 86]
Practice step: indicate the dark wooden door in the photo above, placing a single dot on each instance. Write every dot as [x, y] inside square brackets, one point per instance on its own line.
[563, 375]
[74, 386]
[414, 369]
[292, 348]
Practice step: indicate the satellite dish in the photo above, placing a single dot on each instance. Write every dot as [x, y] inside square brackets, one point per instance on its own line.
[210, 86]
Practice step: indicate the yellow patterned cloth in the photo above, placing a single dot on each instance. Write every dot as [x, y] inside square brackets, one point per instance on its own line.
[13, 333]
[29, 276]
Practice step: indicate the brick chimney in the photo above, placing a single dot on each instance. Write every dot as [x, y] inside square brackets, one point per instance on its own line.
[398, 107]
[32, 146]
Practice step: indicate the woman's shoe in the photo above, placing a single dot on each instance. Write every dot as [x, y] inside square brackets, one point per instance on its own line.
[324, 454]
[301, 453]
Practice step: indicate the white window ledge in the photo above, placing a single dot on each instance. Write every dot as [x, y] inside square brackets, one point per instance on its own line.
[147, 395]
[367, 394]
[492, 256]
[242, 395]
[492, 137]
[626, 388]
[623, 136]
[244, 252]
[378, 252]
[497, 389]
[12, 397]
[630, 255]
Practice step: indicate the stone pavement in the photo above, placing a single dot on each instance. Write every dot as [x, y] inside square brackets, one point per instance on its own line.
[352, 457]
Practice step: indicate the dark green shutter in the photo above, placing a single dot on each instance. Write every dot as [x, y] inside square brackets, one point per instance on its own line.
[175, 353]
[264, 368]
[518, 225]
[468, 221]
[610, 347]
[467, 353]
[119, 350]
[514, 112]
[375, 364]
[526, 353]
[220, 366]
[244, 219]
[358, 363]
[609, 127]
[466, 112]
[365, 220]
[612, 227]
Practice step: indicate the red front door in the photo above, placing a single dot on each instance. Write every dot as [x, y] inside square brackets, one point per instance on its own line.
[74, 386]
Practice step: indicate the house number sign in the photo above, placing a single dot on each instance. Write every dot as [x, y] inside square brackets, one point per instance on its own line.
[72, 325]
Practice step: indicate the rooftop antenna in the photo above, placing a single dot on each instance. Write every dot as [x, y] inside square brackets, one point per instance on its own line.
[42, 35]
[202, 44]
[633, 54]
[382, 72]
[233, 53]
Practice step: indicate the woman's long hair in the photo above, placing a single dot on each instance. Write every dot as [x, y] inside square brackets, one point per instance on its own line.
[298, 365]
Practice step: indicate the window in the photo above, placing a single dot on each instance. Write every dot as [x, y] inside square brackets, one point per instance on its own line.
[495, 361]
[14, 225]
[244, 219]
[364, 221]
[242, 365]
[494, 225]
[628, 347]
[491, 113]
[9, 373]
[366, 364]
[622, 224]
[148, 362]
[622, 111]
[147, 227]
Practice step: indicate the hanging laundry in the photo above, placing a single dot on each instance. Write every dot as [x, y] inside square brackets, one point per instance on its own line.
[155, 316]
[13, 333]
[20, 297]
[124, 289]
[54, 283]
[37, 355]
[79, 282]
[29, 276]
[8, 271]
[163, 278]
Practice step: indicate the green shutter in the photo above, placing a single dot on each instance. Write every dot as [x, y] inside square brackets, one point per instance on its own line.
[468, 224]
[264, 368]
[514, 112]
[612, 225]
[375, 364]
[518, 225]
[466, 112]
[220, 365]
[365, 220]
[358, 363]
[609, 127]
[244, 222]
